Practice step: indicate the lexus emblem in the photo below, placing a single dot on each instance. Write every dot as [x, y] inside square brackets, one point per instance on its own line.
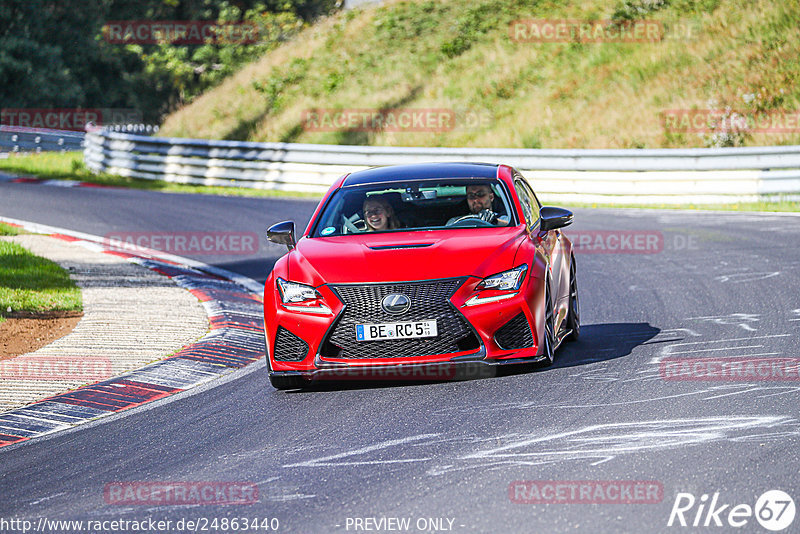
[396, 303]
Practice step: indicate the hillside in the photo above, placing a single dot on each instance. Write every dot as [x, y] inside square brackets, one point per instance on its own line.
[488, 86]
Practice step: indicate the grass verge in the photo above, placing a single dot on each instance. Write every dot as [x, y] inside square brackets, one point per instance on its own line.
[7, 229]
[31, 284]
[69, 166]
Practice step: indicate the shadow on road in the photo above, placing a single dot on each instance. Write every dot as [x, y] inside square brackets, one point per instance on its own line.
[597, 343]
[602, 342]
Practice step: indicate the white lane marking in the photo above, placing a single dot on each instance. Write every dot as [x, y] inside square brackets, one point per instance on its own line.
[327, 460]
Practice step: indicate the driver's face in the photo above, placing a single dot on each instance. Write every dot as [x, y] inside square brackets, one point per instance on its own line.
[479, 198]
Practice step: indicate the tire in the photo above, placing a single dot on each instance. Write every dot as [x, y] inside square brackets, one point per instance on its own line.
[549, 327]
[574, 314]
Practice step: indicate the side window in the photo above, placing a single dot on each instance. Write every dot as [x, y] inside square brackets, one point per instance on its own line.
[530, 205]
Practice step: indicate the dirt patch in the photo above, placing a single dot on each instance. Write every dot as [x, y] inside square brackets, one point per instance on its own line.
[20, 335]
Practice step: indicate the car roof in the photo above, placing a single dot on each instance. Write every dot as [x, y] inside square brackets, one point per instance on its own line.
[420, 171]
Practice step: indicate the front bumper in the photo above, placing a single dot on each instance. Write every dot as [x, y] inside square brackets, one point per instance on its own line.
[490, 330]
[411, 372]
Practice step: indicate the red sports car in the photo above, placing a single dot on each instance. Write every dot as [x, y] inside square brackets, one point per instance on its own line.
[412, 267]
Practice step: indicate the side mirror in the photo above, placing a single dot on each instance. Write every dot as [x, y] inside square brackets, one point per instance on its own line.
[553, 218]
[282, 233]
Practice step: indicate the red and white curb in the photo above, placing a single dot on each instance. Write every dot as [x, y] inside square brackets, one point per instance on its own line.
[236, 339]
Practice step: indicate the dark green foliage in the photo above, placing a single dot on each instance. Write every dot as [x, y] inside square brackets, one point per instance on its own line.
[53, 53]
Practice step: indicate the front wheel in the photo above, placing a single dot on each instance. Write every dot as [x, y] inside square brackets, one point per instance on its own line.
[574, 314]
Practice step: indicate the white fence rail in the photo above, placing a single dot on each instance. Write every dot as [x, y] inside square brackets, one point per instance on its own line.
[18, 139]
[641, 176]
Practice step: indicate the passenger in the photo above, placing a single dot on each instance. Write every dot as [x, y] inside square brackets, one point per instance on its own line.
[379, 214]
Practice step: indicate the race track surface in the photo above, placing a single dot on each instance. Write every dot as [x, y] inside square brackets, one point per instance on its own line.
[699, 285]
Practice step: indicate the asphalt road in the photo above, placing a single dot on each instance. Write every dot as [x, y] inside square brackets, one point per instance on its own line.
[449, 454]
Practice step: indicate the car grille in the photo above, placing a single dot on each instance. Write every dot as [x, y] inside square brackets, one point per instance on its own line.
[289, 347]
[515, 334]
[429, 300]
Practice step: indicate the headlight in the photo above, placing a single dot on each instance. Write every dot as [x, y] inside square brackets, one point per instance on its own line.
[293, 292]
[506, 281]
[301, 298]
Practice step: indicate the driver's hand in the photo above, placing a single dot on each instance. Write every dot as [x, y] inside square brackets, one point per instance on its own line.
[487, 215]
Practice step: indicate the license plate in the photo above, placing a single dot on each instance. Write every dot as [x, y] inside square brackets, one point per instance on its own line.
[376, 332]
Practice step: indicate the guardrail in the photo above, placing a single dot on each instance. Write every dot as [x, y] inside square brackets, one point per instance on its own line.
[638, 176]
[19, 139]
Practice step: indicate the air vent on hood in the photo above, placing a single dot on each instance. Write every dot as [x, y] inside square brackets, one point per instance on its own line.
[392, 247]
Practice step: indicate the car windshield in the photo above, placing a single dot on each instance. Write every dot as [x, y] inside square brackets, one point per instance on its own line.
[410, 206]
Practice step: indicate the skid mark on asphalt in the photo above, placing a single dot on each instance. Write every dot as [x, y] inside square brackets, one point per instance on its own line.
[752, 346]
[340, 459]
[742, 320]
[605, 442]
[738, 278]
[595, 444]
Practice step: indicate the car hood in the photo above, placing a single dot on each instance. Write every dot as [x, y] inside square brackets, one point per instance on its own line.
[394, 257]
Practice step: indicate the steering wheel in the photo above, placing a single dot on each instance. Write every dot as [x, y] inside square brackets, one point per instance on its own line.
[470, 220]
[352, 226]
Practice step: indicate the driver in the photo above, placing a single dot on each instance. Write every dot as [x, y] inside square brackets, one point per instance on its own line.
[479, 200]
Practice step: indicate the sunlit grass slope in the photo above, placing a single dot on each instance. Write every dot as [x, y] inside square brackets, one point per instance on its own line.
[458, 55]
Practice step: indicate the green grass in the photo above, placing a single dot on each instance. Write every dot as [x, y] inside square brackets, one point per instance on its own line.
[29, 283]
[7, 229]
[458, 55]
[70, 166]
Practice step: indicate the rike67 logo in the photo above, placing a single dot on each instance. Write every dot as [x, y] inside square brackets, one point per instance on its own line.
[774, 510]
